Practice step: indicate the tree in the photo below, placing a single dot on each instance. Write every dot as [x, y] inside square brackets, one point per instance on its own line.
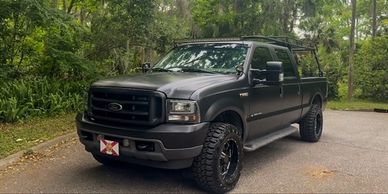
[352, 50]
[371, 65]
[374, 18]
[18, 21]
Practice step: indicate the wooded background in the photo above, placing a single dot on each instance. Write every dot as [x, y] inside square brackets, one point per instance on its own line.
[52, 49]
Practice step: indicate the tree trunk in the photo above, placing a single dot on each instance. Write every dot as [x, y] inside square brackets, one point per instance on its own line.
[64, 5]
[351, 51]
[286, 13]
[148, 55]
[294, 16]
[82, 16]
[182, 8]
[238, 23]
[70, 7]
[374, 18]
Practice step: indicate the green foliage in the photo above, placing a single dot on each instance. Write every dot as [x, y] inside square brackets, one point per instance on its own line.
[39, 97]
[334, 69]
[18, 22]
[372, 68]
[61, 56]
[226, 18]
[50, 48]
[356, 105]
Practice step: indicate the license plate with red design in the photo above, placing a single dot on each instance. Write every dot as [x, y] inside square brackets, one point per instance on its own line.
[109, 147]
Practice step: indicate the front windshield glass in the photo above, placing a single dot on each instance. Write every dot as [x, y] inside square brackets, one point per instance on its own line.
[211, 58]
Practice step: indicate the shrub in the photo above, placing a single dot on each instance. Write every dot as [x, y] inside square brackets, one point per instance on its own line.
[371, 65]
[21, 99]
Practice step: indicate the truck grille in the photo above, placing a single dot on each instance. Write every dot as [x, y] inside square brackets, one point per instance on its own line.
[114, 106]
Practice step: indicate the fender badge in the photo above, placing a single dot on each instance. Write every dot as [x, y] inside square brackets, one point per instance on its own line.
[244, 94]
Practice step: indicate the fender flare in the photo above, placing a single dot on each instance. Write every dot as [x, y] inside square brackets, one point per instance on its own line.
[318, 93]
[224, 105]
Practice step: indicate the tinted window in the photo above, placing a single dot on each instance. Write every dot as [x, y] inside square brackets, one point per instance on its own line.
[307, 65]
[260, 58]
[287, 64]
[222, 58]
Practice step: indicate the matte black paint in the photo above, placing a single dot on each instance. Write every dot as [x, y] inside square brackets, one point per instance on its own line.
[266, 108]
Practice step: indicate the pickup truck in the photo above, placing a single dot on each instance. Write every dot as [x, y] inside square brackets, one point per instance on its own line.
[202, 105]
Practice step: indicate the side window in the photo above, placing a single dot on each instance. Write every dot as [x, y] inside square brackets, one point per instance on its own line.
[260, 58]
[307, 65]
[287, 63]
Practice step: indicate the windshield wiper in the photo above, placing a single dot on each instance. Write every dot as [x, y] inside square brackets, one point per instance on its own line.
[157, 69]
[195, 70]
[182, 69]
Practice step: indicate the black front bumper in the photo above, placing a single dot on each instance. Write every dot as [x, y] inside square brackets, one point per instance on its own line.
[175, 146]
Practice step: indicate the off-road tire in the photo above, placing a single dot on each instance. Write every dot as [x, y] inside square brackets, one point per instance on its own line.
[311, 126]
[208, 166]
[106, 161]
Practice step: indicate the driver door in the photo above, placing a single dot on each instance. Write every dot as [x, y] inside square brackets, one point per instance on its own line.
[265, 100]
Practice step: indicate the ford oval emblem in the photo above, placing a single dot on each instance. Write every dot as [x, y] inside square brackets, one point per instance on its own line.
[115, 106]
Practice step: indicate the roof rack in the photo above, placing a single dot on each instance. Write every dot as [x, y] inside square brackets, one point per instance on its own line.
[182, 41]
[291, 43]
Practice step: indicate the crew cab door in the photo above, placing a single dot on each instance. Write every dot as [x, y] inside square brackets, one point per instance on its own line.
[292, 98]
[265, 100]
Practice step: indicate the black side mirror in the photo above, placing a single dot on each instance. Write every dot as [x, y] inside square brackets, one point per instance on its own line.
[274, 73]
[146, 67]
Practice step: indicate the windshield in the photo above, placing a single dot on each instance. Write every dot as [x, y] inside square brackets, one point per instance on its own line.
[210, 58]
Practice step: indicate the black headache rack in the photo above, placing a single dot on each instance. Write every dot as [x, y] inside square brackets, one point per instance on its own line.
[292, 44]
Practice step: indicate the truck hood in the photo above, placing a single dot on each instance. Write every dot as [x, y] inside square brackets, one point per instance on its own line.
[174, 84]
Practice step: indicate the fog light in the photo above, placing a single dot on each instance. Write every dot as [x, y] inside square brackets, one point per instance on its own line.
[145, 146]
[126, 142]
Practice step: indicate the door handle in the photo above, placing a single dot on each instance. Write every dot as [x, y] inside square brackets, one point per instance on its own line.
[298, 90]
[281, 91]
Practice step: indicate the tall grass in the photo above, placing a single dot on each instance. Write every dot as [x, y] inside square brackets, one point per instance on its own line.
[21, 99]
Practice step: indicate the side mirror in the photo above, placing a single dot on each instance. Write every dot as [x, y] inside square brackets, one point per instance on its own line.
[274, 73]
[146, 67]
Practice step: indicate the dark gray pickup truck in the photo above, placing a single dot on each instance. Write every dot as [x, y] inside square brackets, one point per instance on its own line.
[202, 105]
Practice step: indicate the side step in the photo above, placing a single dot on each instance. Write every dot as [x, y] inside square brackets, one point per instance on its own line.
[262, 141]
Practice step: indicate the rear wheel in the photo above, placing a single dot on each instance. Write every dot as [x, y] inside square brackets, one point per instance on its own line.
[217, 169]
[311, 125]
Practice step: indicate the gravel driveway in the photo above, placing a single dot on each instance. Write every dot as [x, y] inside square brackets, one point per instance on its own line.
[352, 156]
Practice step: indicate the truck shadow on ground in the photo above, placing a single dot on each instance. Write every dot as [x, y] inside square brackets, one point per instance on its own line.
[130, 177]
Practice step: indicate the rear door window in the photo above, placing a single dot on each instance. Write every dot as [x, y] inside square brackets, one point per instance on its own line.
[288, 67]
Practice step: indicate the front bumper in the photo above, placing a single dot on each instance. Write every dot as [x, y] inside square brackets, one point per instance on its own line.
[175, 146]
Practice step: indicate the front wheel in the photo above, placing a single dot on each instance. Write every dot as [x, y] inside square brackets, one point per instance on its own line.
[217, 169]
[311, 125]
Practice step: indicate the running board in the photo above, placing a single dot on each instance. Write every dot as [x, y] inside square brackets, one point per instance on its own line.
[262, 141]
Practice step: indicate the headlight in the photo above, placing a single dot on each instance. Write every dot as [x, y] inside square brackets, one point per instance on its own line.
[183, 111]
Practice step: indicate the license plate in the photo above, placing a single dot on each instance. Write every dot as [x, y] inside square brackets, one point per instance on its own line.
[109, 147]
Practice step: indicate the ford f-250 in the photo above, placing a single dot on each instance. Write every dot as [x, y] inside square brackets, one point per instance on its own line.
[202, 105]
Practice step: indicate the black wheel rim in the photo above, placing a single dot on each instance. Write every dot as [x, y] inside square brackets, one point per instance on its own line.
[318, 124]
[229, 159]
